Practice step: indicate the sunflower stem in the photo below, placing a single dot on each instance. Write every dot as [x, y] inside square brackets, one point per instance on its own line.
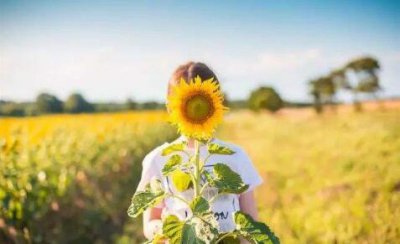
[197, 168]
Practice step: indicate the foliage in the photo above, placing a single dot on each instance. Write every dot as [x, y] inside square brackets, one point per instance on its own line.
[226, 180]
[252, 230]
[64, 178]
[14, 109]
[142, 199]
[330, 179]
[131, 104]
[76, 103]
[47, 103]
[202, 226]
[366, 80]
[265, 98]
[323, 90]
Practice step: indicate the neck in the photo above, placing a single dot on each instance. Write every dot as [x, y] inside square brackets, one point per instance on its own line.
[191, 143]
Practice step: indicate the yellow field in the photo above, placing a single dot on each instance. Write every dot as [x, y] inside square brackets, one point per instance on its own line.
[69, 178]
[328, 179]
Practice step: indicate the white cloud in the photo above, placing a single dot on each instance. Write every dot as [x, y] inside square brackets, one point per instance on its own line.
[285, 61]
[116, 72]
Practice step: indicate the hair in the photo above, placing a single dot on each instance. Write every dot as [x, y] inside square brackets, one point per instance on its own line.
[189, 71]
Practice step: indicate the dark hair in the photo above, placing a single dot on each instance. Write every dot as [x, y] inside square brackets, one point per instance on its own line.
[189, 71]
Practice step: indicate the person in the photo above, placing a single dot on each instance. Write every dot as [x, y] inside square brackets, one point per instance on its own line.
[224, 206]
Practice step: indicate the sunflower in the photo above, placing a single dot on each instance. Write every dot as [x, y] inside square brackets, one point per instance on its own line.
[196, 107]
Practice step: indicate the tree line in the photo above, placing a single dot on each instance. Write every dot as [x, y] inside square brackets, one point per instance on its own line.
[359, 76]
[46, 103]
[261, 98]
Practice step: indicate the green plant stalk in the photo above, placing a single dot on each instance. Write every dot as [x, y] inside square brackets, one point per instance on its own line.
[223, 236]
[197, 169]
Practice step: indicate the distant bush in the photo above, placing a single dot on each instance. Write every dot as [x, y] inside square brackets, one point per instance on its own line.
[76, 103]
[265, 98]
[11, 109]
[47, 103]
[131, 104]
[152, 105]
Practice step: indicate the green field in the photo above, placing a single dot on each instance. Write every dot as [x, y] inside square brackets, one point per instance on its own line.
[328, 179]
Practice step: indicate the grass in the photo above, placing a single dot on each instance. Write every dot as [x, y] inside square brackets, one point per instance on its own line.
[328, 179]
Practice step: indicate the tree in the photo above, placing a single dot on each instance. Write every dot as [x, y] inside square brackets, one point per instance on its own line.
[11, 109]
[367, 80]
[339, 78]
[76, 103]
[152, 105]
[227, 102]
[47, 103]
[131, 104]
[265, 98]
[327, 89]
[323, 90]
[315, 93]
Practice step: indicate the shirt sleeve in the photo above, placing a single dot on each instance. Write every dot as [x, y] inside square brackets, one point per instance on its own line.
[248, 172]
[150, 170]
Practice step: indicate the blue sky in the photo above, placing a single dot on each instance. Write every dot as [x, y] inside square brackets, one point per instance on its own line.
[112, 50]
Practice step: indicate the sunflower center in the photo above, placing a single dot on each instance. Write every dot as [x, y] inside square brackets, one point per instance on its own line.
[199, 108]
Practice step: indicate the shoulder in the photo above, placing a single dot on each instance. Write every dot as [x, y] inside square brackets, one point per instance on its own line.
[239, 151]
[244, 165]
[155, 154]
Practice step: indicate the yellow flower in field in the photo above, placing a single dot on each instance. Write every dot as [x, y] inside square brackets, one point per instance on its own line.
[196, 107]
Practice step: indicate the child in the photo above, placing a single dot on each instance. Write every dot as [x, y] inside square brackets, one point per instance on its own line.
[224, 206]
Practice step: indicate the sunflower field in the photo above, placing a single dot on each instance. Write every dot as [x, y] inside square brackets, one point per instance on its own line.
[69, 178]
[328, 179]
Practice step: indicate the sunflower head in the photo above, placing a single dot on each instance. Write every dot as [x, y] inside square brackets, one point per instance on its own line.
[196, 107]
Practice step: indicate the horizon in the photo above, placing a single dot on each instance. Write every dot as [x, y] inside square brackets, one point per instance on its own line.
[119, 50]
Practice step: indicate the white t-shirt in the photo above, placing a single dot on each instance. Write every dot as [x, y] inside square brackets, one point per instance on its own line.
[225, 205]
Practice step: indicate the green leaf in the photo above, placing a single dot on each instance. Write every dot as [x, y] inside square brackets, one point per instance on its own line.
[254, 231]
[230, 240]
[226, 180]
[189, 235]
[199, 205]
[143, 200]
[172, 228]
[214, 148]
[198, 231]
[192, 231]
[172, 164]
[155, 185]
[178, 147]
[158, 238]
[181, 180]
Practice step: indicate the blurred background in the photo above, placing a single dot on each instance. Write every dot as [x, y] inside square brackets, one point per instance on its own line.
[312, 88]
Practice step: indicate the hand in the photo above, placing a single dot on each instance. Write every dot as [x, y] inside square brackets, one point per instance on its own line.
[152, 228]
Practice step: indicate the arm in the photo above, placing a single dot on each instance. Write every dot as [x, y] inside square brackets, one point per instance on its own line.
[248, 204]
[152, 223]
[152, 216]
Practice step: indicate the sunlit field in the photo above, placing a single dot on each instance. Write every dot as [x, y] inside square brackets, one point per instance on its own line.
[329, 179]
[69, 178]
[333, 178]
